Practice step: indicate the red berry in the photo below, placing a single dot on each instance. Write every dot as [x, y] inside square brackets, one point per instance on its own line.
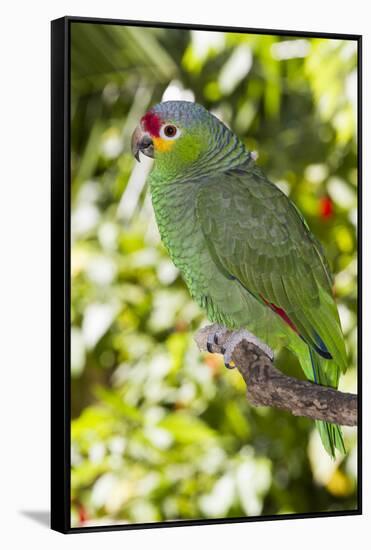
[326, 207]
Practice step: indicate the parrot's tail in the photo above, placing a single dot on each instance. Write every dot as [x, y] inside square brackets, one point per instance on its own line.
[331, 435]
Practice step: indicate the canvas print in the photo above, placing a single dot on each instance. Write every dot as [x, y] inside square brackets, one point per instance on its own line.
[213, 358]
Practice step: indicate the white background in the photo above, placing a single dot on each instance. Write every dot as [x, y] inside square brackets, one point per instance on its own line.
[24, 271]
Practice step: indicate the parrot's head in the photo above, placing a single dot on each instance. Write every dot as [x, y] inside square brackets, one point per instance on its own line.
[177, 134]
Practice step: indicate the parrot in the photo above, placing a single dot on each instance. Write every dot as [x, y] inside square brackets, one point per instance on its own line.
[245, 251]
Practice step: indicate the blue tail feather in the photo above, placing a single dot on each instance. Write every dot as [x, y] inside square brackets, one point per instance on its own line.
[321, 347]
[313, 367]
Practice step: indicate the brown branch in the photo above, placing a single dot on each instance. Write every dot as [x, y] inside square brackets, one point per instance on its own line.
[269, 387]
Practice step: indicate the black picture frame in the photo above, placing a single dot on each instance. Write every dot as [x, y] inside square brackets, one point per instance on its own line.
[60, 272]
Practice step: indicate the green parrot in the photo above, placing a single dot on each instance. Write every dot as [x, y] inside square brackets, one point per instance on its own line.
[245, 251]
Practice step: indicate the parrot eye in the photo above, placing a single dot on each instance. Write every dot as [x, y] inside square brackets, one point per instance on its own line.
[169, 131]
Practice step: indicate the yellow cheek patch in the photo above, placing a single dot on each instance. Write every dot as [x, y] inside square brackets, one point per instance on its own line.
[162, 145]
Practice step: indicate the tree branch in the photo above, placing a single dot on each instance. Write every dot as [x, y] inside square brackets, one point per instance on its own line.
[269, 387]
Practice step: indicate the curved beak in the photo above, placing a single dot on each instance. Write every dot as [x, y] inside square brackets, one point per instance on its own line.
[141, 142]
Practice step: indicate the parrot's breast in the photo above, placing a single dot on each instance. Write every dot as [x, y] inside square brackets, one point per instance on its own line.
[175, 212]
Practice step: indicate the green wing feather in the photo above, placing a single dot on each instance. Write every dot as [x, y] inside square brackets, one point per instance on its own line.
[257, 236]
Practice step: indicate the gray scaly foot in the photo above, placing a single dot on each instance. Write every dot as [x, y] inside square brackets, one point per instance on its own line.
[235, 339]
[214, 337]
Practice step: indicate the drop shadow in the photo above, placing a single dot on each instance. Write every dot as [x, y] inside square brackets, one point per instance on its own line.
[42, 517]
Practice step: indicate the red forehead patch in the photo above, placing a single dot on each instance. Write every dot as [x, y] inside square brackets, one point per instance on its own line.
[151, 123]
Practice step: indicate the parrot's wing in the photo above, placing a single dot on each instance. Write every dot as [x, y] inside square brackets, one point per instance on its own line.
[257, 236]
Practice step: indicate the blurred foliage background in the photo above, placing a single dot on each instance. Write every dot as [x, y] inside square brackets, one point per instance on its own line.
[160, 432]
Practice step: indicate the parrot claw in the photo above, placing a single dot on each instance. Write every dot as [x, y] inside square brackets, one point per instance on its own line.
[236, 338]
[213, 338]
[230, 342]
